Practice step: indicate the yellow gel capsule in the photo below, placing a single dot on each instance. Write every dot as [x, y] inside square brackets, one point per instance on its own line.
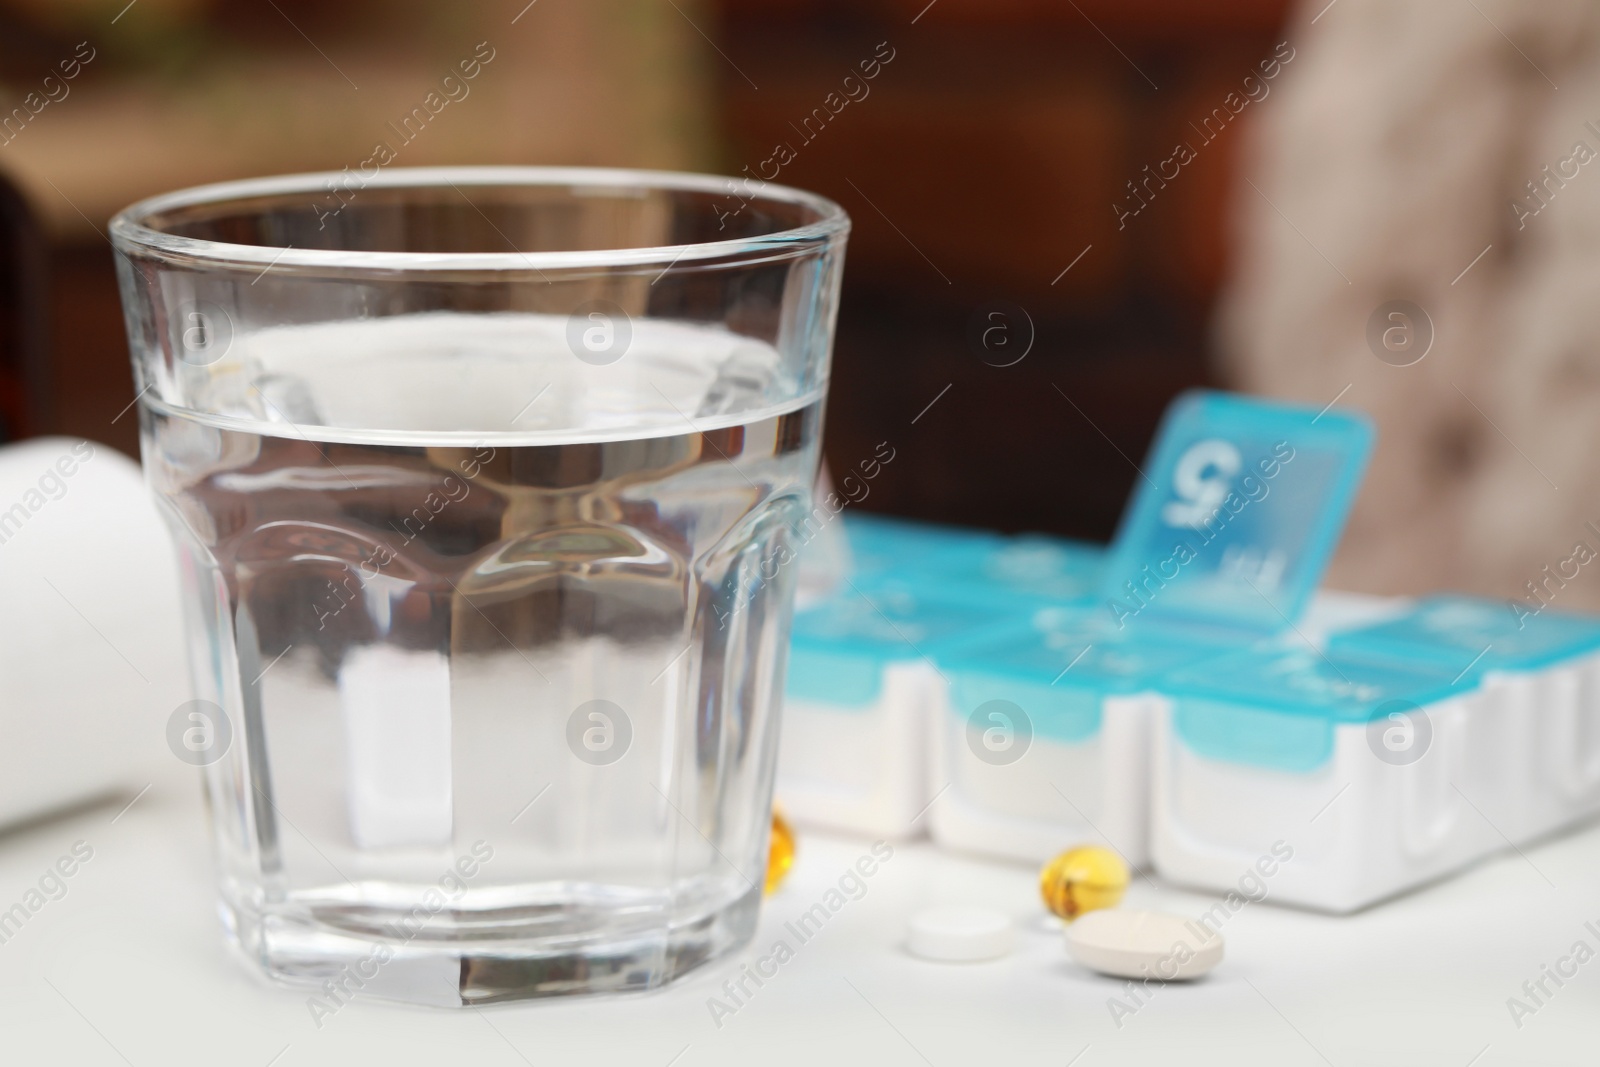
[1083, 879]
[780, 852]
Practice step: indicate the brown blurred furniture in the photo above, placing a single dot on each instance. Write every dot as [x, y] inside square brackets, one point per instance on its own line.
[24, 351]
[181, 92]
[985, 158]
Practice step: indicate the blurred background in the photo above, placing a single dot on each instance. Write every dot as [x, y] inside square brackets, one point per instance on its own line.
[1066, 212]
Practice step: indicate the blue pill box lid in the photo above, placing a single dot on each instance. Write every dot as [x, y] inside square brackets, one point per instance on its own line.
[1060, 665]
[1278, 707]
[881, 545]
[1238, 510]
[1047, 570]
[840, 646]
[1474, 634]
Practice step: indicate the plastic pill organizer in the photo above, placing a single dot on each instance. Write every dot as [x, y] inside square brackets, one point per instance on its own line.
[887, 676]
[1238, 509]
[862, 673]
[1186, 696]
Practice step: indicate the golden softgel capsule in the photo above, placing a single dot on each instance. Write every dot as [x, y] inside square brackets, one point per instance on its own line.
[780, 852]
[1083, 879]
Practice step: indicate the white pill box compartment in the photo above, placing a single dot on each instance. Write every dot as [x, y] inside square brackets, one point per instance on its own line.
[1301, 747]
[1539, 718]
[860, 681]
[1041, 736]
[877, 546]
[1083, 688]
[1018, 573]
[1024, 572]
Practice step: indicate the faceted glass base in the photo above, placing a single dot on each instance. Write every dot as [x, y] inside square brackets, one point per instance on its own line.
[338, 965]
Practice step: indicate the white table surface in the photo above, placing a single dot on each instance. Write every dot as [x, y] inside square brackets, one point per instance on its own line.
[130, 967]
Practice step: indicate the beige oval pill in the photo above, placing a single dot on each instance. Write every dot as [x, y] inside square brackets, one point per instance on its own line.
[1143, 944]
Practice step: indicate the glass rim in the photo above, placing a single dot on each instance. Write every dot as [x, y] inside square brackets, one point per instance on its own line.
[130, 233]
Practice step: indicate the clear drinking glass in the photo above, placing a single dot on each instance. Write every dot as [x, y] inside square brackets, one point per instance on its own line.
[487, 485]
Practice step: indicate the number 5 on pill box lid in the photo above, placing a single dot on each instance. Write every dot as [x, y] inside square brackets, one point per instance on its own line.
[1238, 512]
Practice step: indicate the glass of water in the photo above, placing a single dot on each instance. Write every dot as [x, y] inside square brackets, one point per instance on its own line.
[487, 485]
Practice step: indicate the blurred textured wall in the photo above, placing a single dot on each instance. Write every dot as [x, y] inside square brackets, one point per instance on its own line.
[1437, 153]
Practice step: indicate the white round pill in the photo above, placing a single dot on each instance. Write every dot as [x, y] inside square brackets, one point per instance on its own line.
[959, 935]
[1143, 944]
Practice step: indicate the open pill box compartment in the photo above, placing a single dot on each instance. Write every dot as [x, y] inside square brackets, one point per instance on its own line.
[1237, 511]
[1223, 545]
